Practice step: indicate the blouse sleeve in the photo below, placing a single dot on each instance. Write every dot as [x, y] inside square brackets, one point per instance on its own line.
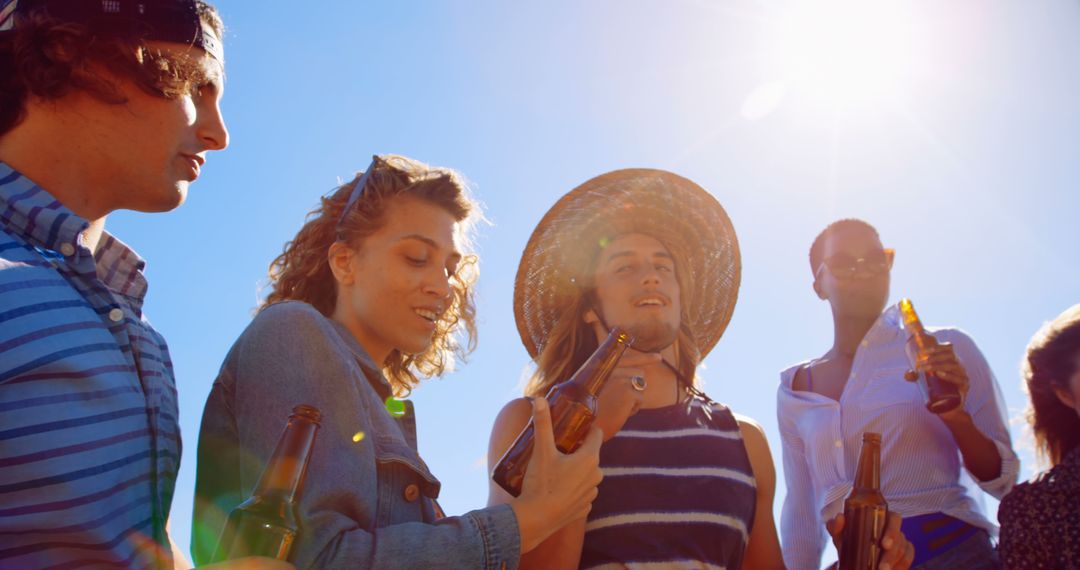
[986, 406]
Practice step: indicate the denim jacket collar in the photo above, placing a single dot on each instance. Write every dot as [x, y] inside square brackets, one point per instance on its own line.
[395, 435]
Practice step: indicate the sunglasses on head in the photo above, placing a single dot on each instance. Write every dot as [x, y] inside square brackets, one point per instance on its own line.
[846, 266]
[391, 171]
[377, 164]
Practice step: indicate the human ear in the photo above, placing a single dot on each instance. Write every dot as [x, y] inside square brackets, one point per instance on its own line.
[340, 257]
[1065, 396]
[590, 317]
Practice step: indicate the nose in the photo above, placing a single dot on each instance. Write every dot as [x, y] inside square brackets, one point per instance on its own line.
[211, 127]
[650, 275]
[438, 285]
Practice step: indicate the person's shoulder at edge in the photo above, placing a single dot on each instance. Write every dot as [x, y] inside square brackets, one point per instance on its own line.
[290, 319]
[788, 375]
[753, 433]
[513, 416]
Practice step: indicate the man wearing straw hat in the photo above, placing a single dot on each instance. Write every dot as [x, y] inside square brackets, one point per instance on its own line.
[687, 483]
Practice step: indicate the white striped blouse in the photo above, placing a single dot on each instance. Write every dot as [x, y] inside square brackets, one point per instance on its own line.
[921, 464]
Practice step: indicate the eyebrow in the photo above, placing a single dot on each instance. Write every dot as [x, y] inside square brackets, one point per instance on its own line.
[619, 254]
[428, 241]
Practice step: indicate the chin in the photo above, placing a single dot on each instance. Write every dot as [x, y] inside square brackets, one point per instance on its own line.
[653, 336]
[416, 346]
[164, 200]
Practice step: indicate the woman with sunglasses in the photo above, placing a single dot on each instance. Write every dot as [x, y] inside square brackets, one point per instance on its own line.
[857, 386]
[366, 301]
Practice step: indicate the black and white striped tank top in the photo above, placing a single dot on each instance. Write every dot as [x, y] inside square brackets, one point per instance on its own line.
[678, 492]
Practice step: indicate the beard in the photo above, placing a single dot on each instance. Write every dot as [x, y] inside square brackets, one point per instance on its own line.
[652, 336]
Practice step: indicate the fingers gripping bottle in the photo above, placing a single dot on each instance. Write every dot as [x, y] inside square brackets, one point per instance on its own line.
[940, 396]
[573, 410]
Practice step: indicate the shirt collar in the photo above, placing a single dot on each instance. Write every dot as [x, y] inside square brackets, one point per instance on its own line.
[120, 268]
[372, 371]
[29, 211]
[887, 327]
[32, 213]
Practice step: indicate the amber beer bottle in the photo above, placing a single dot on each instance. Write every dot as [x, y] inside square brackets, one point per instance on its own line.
[266, 524]
[865, 511]
[573, 410]
[940, 395]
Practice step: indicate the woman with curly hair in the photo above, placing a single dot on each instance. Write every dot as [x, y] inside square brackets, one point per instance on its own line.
[1040, 519]
[367, 300]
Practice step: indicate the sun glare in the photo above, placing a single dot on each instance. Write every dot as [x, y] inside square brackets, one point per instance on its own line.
[839, 54]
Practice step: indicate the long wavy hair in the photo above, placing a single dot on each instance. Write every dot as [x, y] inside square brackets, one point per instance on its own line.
[302, 271]
[1050, 361]
[572, 341]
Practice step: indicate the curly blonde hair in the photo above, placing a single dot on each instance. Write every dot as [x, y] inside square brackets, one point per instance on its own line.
[302, 272]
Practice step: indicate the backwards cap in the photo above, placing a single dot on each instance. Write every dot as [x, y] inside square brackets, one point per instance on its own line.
[174, 21]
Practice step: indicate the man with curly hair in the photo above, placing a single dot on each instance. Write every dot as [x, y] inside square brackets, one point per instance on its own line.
[104, 105]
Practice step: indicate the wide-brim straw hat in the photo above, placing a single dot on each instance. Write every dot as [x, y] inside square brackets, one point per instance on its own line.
[677, 212]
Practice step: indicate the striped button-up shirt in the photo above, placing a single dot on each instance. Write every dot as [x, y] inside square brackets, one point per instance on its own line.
[920, 463]
[89, 441]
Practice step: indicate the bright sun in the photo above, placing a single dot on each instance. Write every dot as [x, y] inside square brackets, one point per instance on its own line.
[840, 54]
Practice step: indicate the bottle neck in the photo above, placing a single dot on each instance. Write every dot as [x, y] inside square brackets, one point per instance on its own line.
[594, 373]
[912, 324]
[284, 474]
[868, 476]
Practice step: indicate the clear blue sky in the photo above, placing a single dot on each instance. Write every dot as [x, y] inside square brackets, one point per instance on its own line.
[957, 140]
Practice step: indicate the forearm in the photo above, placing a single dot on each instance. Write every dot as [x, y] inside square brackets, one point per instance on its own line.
[560, 550]
[483, 539]
[980, 454]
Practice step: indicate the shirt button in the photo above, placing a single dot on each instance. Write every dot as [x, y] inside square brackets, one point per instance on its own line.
[839, 444]
[116, 315]
[412, 492]
[67, 249]
[865, 343]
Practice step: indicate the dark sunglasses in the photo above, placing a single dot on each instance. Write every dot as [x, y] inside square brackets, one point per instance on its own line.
[377, 163]
[845, 266]
[397, 172]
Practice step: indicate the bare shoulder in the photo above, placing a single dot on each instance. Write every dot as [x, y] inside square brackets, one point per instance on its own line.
[514, 415]
[511, 420]
[751, 431]
[757, 449]
[799, 382]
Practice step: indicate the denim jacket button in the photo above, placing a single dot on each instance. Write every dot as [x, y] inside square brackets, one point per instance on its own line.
[412, 492]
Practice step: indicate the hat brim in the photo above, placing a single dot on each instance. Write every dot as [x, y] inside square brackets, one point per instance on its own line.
[677, 212]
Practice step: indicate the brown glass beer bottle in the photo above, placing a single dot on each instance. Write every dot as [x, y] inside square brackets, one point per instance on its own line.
[865, 511]
[940, 396]
[266, 524]
[573, 410]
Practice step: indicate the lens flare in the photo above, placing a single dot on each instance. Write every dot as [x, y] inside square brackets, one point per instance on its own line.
[395, 406]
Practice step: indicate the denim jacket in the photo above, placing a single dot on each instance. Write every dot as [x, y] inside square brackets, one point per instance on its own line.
[369, 499]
